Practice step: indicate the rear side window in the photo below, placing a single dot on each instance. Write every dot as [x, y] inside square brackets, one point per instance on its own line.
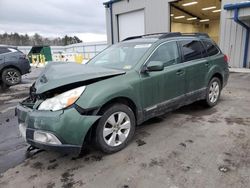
[210, 48]
[192, 49]
[4, 50]
[167, 53]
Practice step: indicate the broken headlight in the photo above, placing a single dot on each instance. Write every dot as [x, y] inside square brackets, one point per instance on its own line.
[62, 100]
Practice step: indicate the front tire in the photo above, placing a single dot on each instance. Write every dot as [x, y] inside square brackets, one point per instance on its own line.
[213, 92]
[11, 76]
[115, 128]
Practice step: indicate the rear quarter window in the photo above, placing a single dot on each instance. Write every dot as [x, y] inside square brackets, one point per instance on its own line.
[210, 48]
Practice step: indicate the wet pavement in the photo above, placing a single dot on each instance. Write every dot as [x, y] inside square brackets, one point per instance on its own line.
[191, 147]
[12, 146]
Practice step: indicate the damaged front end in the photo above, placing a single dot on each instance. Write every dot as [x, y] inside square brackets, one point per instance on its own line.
[62, 130]
[49, 118]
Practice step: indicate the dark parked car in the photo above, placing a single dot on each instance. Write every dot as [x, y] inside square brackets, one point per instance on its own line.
[13, 64]
[123, 86]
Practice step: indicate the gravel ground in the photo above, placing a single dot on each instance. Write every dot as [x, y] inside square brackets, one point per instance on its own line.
[190, 147]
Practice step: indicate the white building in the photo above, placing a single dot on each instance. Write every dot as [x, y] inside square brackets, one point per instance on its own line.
[226, 22]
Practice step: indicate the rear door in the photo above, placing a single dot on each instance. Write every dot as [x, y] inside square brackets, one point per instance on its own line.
[196, 65]
[161, 87]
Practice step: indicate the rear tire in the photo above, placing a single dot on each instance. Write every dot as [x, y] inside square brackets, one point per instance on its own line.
[213, 92]
[115, 128]
[11, 76]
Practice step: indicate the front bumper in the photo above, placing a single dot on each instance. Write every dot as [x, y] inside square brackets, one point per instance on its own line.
[69, 126]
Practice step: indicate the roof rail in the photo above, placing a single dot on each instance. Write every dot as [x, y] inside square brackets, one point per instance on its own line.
[168, 35]
[196, 34]
[133, 37]
[158, 35]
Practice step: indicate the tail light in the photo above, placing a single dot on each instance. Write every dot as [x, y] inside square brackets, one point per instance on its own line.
[226, 58]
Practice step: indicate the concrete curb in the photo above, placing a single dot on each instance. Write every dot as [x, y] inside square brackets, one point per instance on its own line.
[239, 70]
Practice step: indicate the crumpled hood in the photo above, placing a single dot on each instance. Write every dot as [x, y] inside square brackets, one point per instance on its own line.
[57, 74]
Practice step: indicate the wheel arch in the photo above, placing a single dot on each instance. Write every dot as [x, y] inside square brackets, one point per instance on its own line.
[215, 71]
[217, 75]
[117, 100]
[122, 100]
[7, 67]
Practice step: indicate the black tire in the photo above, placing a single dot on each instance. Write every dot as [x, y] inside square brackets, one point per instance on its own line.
[11, 76]
[99, 134]
[208, 101]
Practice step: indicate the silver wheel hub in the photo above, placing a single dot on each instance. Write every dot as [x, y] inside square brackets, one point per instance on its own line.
[12, 77]
[214, 92]
[116, 129]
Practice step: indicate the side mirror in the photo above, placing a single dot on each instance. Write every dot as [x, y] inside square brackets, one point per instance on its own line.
[155, 66]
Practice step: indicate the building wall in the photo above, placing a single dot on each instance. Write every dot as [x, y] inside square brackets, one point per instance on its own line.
[229, 35]
[213, 29]
[184, 27]
[232, 36]
[156, 15]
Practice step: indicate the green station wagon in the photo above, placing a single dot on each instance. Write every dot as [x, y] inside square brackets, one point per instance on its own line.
[123, 86]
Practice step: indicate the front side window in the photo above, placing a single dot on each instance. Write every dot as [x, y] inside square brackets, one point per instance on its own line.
[192, 49]
[121, 56]
[211, 48]
[167, 53]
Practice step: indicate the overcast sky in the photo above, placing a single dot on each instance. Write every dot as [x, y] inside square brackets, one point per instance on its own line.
[52, 18]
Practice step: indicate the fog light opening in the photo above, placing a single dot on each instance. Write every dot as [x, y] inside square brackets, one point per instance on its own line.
[45, 137]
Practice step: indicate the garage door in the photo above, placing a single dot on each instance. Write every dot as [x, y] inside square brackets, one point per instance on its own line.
[131, 24]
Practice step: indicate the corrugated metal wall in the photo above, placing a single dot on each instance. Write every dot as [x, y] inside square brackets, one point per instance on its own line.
[157, 15]
[232, 36]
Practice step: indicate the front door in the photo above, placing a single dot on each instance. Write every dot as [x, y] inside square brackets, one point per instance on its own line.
[161, 87]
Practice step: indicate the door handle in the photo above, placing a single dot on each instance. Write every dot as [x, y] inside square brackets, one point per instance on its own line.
[207, 64]
[180, 72]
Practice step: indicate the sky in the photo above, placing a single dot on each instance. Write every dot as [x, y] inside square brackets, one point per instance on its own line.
[54, 18]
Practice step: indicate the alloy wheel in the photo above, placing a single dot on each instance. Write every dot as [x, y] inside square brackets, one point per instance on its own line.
[116, 129]
[214, 92]
[12, 77]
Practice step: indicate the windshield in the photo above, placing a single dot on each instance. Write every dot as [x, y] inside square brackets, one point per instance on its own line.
[121, 56]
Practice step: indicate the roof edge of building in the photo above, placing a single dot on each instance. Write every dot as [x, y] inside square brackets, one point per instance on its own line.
[244, 4]
[111, 2]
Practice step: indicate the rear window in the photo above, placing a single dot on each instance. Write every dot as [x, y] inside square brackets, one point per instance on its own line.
[210, 48]
[192, 49]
